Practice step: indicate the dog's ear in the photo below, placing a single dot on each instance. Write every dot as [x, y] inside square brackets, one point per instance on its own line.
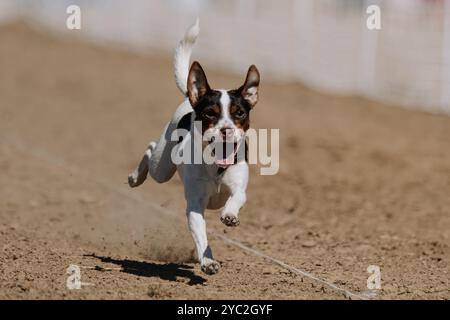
[197, 84]
[249, 89]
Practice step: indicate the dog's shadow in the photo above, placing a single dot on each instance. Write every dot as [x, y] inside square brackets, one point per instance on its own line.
[167, 271]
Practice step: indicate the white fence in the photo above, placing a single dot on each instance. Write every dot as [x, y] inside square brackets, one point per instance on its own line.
[323, 43]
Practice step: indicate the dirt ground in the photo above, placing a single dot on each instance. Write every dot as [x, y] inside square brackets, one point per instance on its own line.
[360, 184]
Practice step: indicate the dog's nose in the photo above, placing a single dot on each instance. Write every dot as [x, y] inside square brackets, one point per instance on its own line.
[227, 133]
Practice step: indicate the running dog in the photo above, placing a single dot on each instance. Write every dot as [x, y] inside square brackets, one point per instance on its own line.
[223, 114]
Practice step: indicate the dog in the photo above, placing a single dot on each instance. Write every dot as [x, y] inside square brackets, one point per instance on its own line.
[222, 183]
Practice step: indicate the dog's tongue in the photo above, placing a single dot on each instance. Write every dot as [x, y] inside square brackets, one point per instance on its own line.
[225, 157]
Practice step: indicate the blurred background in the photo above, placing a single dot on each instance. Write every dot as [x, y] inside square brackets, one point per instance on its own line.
[322, 43]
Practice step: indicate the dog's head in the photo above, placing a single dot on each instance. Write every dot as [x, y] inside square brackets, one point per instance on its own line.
[223, 113]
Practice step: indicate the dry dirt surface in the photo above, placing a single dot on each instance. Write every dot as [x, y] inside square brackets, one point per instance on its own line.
[360, 184]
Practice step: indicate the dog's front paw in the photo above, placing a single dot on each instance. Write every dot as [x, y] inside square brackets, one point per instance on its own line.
[229, 220]
[210, 266]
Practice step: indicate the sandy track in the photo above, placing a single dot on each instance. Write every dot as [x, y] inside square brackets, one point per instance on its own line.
[359, 184]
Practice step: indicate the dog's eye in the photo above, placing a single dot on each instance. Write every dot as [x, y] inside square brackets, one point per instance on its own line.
[210, 114]
[240, 114]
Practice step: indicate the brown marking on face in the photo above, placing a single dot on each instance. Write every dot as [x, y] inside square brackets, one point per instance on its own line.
[209, 117]
[208, 110]
[216, 109]
[239, 113]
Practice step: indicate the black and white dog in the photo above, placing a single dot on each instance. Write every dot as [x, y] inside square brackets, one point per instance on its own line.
[222, 182]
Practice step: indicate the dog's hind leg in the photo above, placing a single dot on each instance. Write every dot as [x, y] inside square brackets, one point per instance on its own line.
[139, 175]
[156, 161]
[161, 167]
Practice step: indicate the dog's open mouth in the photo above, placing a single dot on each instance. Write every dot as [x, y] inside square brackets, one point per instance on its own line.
[225, 153]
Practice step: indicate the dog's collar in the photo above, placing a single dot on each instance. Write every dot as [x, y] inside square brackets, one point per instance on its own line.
[221, 170]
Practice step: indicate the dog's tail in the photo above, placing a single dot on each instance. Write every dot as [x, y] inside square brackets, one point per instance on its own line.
[183, 55]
